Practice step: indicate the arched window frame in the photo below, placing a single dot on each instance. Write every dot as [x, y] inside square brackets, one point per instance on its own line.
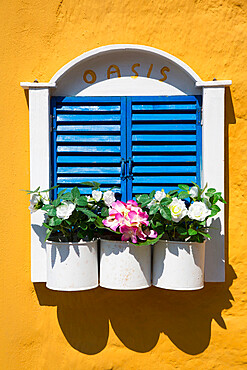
[212, 92]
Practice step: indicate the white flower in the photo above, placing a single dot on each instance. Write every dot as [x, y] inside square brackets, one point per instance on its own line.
[34, 201]
[193, 192]
[159, 195]
[152, 203]
[109, 198]
[97, 195]
[178, 209]
[198, 211]
[65, 210]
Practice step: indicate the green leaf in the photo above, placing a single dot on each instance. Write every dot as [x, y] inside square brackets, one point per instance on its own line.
[151, 195]
[82, 234]
[105, 212]
[222, 200]
[75, 192]
[184, 187]
[138, 198]
[216, 197]
[48, 233]
[88, 213]
[46, 207]
[54, 187]
[154, 209]
[165, 201]
[82, 201]
[181, 230]
[183, 195]
[215, 208]
[166, 213]
[55, 221]
[98, 223]
[192, 232]
[56, 202]
[150, 241]
[172, 192]
[67, 196]
[61, 193]
[46, 226]
[143, 197]
[211, 190]
[83, 226]
[51, 212]
[96, 185]
[205, 234]
[146, 202]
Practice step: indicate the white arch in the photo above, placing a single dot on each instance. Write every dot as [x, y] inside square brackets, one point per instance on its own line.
[103, 50]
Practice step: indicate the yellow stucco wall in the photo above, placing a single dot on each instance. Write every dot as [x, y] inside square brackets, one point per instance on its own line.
[102, 329]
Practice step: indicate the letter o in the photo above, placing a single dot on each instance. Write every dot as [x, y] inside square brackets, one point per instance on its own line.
[91, 73]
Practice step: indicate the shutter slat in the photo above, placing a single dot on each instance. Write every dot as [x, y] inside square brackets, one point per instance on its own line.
[88, 138]
[77, 180]
[88, 149]
[163, 117]
[89, 170]
[89, 128]
[163, 107]
[89, 108]
[164, 159]
[159, 138]
[163, 127]
[88, 159]
[164, 148]
[163, 179]
[87, 117]
[164, 169]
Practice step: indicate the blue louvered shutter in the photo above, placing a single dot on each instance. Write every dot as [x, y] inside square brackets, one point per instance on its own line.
[138, 144]
[166, 143]
[88, 141]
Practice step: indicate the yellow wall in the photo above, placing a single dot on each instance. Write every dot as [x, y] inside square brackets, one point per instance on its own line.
[102, 329]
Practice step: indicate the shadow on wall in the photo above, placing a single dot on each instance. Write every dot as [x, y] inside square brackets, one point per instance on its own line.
[139, 317]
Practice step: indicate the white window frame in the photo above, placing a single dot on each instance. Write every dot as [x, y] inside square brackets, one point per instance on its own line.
[213, 97]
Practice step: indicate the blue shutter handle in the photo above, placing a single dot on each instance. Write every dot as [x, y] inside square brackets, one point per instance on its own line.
[130, 166]
[122, 168]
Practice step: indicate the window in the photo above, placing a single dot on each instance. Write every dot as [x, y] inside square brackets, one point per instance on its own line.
[136, 144]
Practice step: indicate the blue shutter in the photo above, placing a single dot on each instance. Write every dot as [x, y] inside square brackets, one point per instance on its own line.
[136, 143]
[88, 141]
[166, 143]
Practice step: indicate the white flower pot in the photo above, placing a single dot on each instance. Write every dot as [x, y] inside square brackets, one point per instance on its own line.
[72, 266]
[124, 266]
[178, 265]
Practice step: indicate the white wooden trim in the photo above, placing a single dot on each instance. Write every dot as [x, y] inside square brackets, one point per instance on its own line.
[39, 108]
[37, 85]
[213, 83]
[213, 174]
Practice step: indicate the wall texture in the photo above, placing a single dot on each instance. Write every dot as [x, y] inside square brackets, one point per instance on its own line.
[101, 329]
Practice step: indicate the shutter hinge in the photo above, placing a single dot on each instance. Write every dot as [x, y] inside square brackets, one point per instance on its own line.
[52, 128]
[199, 112]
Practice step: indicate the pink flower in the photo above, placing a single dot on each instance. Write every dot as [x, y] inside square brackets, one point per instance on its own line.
[129, 218]
[151, 233]
[128, 233]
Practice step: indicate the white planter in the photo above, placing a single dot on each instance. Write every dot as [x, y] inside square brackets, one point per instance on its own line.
[72, 266]
[178, 265]
[124, 266]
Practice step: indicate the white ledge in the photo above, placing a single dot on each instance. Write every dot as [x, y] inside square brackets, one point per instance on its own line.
[213, 83]
[37, 85]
